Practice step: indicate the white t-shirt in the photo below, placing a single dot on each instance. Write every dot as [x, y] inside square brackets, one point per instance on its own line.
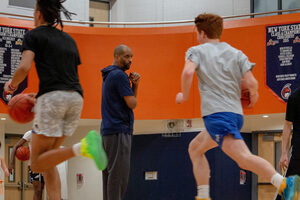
[220, 69]
[28, 137]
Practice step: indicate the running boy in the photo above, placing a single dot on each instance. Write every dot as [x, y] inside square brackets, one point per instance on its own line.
[220, 69]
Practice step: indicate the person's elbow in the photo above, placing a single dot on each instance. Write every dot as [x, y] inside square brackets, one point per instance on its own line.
[252, 84]
[131, 102]
[24, 68]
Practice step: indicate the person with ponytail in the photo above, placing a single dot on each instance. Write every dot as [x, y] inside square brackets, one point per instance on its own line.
[59, 101]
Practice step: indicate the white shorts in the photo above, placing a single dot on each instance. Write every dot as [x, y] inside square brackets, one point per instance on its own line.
[57, 113]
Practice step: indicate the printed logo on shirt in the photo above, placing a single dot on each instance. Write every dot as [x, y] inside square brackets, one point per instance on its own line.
[286, 91]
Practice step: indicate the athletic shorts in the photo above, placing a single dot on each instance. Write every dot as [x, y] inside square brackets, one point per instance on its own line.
[221, 124]
[35, 176]
[57, 113]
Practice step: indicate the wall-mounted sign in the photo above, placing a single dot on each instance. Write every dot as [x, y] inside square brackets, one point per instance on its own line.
[283, 59]
[11, 40]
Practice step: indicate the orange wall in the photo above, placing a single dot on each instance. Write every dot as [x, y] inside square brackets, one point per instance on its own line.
[159, 58]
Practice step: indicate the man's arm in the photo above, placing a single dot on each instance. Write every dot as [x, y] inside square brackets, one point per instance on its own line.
[21, 72]
[135, 80]
[284, 159]
[11, 164]
[252, 85]
[186, 81]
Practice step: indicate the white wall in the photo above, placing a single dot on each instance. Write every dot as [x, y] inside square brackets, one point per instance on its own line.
[80, 7]
[169, 10]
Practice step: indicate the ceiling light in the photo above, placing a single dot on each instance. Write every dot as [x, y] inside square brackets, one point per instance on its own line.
[265, 116]
[3, 118]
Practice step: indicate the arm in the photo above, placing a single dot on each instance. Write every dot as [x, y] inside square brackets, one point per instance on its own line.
[135, 80]
[11, 165]
[130, 101]
[4, 167]
[252, 85]
[186, 81]
[21, 72]
[284, 160]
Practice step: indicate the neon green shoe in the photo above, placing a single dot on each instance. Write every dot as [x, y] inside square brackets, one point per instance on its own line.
[91, 147]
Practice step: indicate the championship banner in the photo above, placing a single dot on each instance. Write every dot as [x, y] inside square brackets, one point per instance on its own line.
[11, 40]
[283, 59]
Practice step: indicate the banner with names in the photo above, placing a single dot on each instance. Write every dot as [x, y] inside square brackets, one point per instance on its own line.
[11, 40]
[283, 59]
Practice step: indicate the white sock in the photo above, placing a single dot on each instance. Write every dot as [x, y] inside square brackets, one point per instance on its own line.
[203, 191]
[76, 149]
[276, 180]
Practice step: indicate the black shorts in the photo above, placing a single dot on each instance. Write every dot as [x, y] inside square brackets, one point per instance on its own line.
[35, 176]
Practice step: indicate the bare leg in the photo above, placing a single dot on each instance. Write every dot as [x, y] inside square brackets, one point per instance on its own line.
[38, 187]
[46, 153]
[53, 184]
[197, 148]
[239, 152]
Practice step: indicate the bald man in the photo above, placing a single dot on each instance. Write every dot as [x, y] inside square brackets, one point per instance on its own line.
[118, 100]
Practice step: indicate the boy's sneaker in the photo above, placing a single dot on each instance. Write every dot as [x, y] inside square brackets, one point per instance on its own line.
[197, 198]
[91, 147]
[290, 188]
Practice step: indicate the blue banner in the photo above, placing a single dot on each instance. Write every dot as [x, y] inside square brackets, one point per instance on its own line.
[11, 40]
[283, 59]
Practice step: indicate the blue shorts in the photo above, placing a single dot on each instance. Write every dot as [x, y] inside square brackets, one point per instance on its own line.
[221, 124]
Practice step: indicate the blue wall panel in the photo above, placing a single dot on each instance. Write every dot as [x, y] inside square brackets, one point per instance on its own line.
[169, 157]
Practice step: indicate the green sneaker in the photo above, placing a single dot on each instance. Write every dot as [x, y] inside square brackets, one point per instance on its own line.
[91, 147]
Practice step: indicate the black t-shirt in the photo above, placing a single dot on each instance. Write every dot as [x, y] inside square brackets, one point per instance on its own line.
[293, 115]
[56, 59]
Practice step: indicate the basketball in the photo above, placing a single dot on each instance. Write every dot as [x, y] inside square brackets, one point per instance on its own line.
[245, 98]
[23, 153]
[20, 108]
[245, 94]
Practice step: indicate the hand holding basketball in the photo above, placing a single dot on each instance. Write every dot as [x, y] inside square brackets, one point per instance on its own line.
[20, 107]
[23, 153]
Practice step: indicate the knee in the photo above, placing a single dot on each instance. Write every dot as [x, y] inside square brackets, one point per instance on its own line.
[35, 167]
[195, 149]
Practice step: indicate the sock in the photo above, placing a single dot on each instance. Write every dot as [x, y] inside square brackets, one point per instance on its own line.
[76, 149]
[203, 191]
[276, 180]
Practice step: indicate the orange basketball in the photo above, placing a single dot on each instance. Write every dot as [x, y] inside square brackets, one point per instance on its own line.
[20, 108]
[245, 98]
[23, 153]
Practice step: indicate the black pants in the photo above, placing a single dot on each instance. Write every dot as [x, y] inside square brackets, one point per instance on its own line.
[293, 169]
[116, 175]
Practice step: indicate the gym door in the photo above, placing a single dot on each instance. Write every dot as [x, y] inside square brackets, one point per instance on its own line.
[17, 186]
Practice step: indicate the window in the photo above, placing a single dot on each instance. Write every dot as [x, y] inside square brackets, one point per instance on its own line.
[22, 3]
[258, 6]
[290, 4]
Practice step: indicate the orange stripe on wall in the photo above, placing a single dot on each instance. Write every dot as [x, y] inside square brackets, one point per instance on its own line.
[159, 58]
